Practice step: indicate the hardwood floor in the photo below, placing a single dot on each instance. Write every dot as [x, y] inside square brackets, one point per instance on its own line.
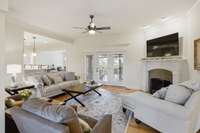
[133, 127]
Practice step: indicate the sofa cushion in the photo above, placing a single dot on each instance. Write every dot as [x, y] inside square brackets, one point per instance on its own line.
[178, 94]
[62, 74]
[55, 113]
[55, 77]
[66, 84]
[52, 88]
[69, 76]
[192, 84]
[161, 93]
[46, 80]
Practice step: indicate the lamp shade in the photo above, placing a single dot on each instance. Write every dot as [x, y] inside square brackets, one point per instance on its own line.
[14, 68]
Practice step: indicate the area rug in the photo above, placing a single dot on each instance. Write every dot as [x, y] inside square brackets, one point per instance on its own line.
[108, 103]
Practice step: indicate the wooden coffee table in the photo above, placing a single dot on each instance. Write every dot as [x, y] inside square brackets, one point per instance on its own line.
[81, 89]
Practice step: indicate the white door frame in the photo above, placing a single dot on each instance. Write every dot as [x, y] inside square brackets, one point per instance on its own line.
[95, 74]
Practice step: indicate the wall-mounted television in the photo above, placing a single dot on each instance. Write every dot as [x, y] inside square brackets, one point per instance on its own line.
[163, 46]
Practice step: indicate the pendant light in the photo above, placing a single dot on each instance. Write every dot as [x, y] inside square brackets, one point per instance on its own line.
[34, 53]
[24, 49]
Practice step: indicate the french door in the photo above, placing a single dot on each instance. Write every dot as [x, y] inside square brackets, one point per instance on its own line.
[109, 68]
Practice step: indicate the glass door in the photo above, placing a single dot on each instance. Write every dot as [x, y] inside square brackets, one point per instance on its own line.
[89, 67]
[102, 70]
[110, 68]
[117, 69]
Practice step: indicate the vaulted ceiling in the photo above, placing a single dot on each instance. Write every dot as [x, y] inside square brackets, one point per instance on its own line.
[124, 16]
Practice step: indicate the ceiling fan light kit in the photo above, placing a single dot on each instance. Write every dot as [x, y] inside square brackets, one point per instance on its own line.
[92, 28]
[92, 32]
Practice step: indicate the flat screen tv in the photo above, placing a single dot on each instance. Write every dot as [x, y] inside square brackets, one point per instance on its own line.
[164, 46]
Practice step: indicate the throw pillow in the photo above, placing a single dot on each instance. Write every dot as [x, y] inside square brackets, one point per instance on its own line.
[161, 93]
[56, 78]
[85, 126]
[192, 84]
[55, 113]
[46, 80]
[69, 76]
[62, 74]
[10, 102]
[178, 94]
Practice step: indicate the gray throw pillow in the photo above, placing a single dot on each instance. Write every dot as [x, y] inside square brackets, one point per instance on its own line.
[46, 80]
[69, 76]
[62, 75]
[178, 94]
[161, 93]
[55, 77]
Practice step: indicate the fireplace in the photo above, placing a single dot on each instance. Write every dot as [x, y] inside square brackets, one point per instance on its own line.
[159, 72]
[159, 78]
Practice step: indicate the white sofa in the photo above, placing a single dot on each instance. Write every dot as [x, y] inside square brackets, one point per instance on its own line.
[42, 90]
[164, 116]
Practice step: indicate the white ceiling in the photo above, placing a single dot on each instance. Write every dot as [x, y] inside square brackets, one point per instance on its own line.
[124, 16]
[40, 40]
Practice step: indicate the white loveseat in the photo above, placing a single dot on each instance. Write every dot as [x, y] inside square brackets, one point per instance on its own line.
[165, 116]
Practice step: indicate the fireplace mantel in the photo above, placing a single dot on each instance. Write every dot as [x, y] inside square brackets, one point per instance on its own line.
[159, 59]
[178, 67]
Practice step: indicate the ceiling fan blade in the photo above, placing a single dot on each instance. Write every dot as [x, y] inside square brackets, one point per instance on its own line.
[82, 28]
[103, 28]
[99, 31]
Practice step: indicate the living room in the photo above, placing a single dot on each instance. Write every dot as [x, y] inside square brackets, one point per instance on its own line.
[110, 44]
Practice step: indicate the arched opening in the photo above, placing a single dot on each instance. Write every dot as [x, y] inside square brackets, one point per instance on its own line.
[159, 78]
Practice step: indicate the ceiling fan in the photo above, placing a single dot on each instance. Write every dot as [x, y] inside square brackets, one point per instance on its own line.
[92, 28]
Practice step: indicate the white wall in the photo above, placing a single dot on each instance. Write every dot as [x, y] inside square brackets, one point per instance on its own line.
[14, 47]
[3, 9]
[51, 57]
[4, 5]
[14, 44]
[193, 20]
[134, 44]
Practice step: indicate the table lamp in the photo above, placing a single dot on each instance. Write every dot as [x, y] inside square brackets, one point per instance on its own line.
[14, 69]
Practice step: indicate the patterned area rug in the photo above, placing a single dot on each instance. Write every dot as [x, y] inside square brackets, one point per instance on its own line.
[108, 103]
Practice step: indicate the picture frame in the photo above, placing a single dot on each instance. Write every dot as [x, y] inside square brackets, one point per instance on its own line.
[197, 54]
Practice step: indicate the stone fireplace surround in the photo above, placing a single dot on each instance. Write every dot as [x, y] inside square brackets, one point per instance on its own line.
[177, 65]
